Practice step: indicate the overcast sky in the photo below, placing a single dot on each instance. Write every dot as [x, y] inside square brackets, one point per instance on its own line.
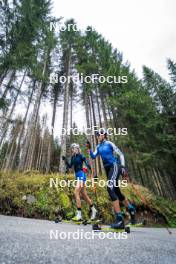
[144, 30]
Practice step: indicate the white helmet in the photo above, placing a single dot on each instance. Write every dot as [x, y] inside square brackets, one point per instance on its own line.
[74, 145]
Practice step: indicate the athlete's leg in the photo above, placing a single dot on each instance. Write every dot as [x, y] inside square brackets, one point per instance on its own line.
[77, 191]
[113, 173]
[85, 196]
[116, 206]
[127, 204]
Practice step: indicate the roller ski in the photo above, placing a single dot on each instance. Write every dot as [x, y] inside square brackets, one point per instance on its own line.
[137, 223]
[106, 228]
[132, 212]
[71, 221]
[78, 220]
[133, 221]
[118, 226]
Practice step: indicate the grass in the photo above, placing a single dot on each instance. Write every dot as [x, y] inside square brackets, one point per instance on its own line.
[29, 194]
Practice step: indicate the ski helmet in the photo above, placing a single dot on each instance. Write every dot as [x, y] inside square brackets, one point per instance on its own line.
[101, 131]
[74, 145]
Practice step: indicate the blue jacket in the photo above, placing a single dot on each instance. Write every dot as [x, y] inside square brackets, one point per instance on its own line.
[106, 150]
[77, 161]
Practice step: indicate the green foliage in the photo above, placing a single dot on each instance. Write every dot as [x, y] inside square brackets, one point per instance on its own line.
[15, 189]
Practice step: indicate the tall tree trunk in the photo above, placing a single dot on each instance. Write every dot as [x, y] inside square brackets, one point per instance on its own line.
[65, 113]
[93, 162]
[52, 135]
[12, 76]
[26, 160]
[103, 110]
[22, 128]
[12, 110]
[15, 135]
[2, 76]
[71, 112]
[99, 171]
[98, 107]
[87, 111]
[32, 145]
[39, 157]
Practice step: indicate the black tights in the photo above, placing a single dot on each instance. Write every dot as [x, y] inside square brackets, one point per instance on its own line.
[113, 173]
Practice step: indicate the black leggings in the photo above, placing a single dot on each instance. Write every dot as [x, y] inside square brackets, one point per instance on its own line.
[113, 173]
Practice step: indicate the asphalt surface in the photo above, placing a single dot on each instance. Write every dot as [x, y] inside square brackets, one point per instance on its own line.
[29, 241]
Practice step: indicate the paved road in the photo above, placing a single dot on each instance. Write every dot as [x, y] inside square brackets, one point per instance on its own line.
[31, 241]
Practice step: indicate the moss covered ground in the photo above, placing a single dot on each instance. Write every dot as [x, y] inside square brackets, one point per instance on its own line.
[30, 194]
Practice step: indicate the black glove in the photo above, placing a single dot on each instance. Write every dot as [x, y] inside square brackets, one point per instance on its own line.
[88, 145]
[63, 158]
[123, 170]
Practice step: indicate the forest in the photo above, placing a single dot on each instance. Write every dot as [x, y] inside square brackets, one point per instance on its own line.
[31, 52]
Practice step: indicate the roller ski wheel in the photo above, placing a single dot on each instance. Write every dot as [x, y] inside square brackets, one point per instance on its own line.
[95, 221]
[84, 222]
[96, 227]
[127, 229]
[78, 222]
[138, 223]
[57, 220]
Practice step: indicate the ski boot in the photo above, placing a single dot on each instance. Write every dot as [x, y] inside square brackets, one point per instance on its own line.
[132, 212]
[78, 216]
[119, 223]
[93, 212]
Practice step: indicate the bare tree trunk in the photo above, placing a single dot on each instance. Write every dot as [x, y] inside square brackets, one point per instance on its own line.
[39, 158]
[15, 135]
[29, 165]
[140, 174]
[22, 128]
[51, 136]
[30, 158]
[87, 111]
[3, 119]
[65, 113]
[98, 165]
[104, 110]
[71, 112]
[149, 179]
[158, 190]
[24, 148]
[98, 107]
[12, 110]
[3, 75]
[12, 76]
[90, 125]
[26, 160]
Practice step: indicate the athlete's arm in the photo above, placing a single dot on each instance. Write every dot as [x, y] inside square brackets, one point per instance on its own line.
[119, 153]
[94, 154]
[86, 162]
